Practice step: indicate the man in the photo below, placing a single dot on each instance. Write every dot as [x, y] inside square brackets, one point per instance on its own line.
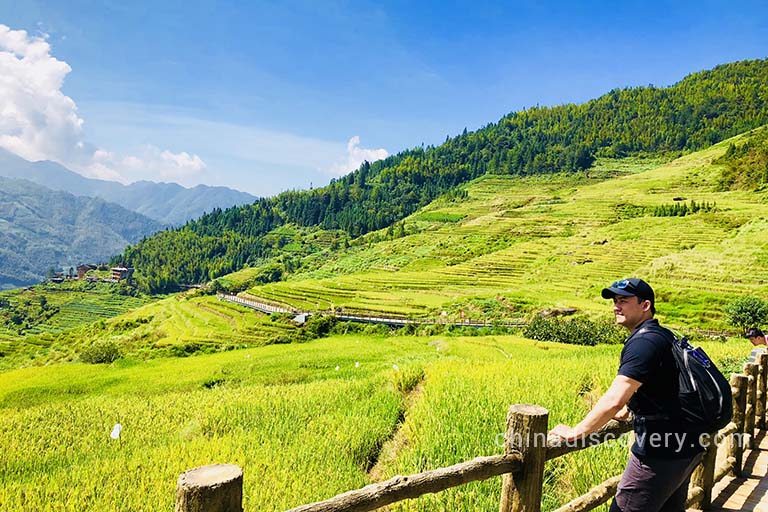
[756, 336]
[758, 340]
[665, 451]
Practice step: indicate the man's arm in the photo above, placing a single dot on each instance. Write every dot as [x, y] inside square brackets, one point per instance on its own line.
[607, 407]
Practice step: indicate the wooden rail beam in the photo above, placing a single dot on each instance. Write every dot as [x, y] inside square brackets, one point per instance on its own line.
[400, 488]
[556, 447]
[726, 431]
[724, 469]
[594, 498]
[694, 496]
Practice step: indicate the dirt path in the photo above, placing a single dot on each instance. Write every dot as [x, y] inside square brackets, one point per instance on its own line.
[399, 439]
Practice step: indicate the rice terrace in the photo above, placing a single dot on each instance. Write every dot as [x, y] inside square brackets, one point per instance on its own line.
[387, 339]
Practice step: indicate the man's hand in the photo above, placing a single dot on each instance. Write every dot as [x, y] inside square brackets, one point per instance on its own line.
[622, 415]
[565, 432]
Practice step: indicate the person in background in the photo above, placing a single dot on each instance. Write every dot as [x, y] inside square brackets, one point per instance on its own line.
[757, 337]
[664, 453]
[758, 340]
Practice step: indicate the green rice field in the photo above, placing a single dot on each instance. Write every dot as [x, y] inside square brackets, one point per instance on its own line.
[304, 421]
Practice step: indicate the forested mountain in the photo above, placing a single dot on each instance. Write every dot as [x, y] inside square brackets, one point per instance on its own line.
[702, 109]
[746, 165]
[41, 228]
[167, 203]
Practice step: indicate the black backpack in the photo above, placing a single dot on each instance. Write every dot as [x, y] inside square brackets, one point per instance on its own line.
[704, 393]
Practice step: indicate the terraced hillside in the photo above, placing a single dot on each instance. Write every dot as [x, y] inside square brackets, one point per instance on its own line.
[75, 306]
[514, 245]
[179, 325]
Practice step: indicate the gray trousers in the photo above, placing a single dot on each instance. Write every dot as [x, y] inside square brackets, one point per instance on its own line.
[654, 485]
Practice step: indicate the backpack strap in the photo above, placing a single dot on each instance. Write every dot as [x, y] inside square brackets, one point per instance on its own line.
[672, 338]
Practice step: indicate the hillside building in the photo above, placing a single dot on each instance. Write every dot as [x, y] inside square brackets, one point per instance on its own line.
[120, 273]
[84, 269]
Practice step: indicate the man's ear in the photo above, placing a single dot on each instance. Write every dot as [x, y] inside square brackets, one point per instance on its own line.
[647, 305]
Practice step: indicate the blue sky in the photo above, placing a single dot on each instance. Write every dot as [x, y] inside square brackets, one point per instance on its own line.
[264, 97]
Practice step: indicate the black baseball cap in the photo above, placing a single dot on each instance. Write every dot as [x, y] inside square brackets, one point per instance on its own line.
[754, 333]
[632, 287]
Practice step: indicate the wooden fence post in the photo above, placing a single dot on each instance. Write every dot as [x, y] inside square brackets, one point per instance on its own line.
[762, 382]
[214, 488]
[527, 434]
[751, 370]
[704, 474]
[739, 384]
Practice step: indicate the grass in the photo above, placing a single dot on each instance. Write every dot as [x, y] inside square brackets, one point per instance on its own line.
[302, 429]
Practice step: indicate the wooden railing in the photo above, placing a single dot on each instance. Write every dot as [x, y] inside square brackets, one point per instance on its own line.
[527, 447]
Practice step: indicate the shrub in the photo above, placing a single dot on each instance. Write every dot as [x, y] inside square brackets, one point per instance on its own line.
[281, 339]
[348, 328]
[578, 331]
[270, 273]
[746, 312]
[729, 365]
[185, 349]
[376, 330]
[101, 352]
[318, 326]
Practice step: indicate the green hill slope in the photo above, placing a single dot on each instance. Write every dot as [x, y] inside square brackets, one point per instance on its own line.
[519, 244]
[179, 325]
[701, 109]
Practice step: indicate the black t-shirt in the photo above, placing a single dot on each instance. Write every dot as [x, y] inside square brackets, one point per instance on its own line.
[647, 357]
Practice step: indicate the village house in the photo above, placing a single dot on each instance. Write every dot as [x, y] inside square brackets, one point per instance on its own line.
[120, 273]
[84, 269]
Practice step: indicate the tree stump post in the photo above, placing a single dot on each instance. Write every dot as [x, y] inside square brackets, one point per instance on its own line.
[739, 383]
[762, 383]
[704, 474]
[214, 488]
[527, 434]
[751, 370]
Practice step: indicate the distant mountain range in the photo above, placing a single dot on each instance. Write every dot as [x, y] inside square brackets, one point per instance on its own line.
[41, 228]
[167, 203]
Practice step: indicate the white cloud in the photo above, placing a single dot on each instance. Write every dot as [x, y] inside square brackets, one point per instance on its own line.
[355, 156]
[39, 122]
[152, 163]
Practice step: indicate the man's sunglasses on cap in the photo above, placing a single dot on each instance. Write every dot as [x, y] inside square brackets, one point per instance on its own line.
[623, 284]
[633, 286]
